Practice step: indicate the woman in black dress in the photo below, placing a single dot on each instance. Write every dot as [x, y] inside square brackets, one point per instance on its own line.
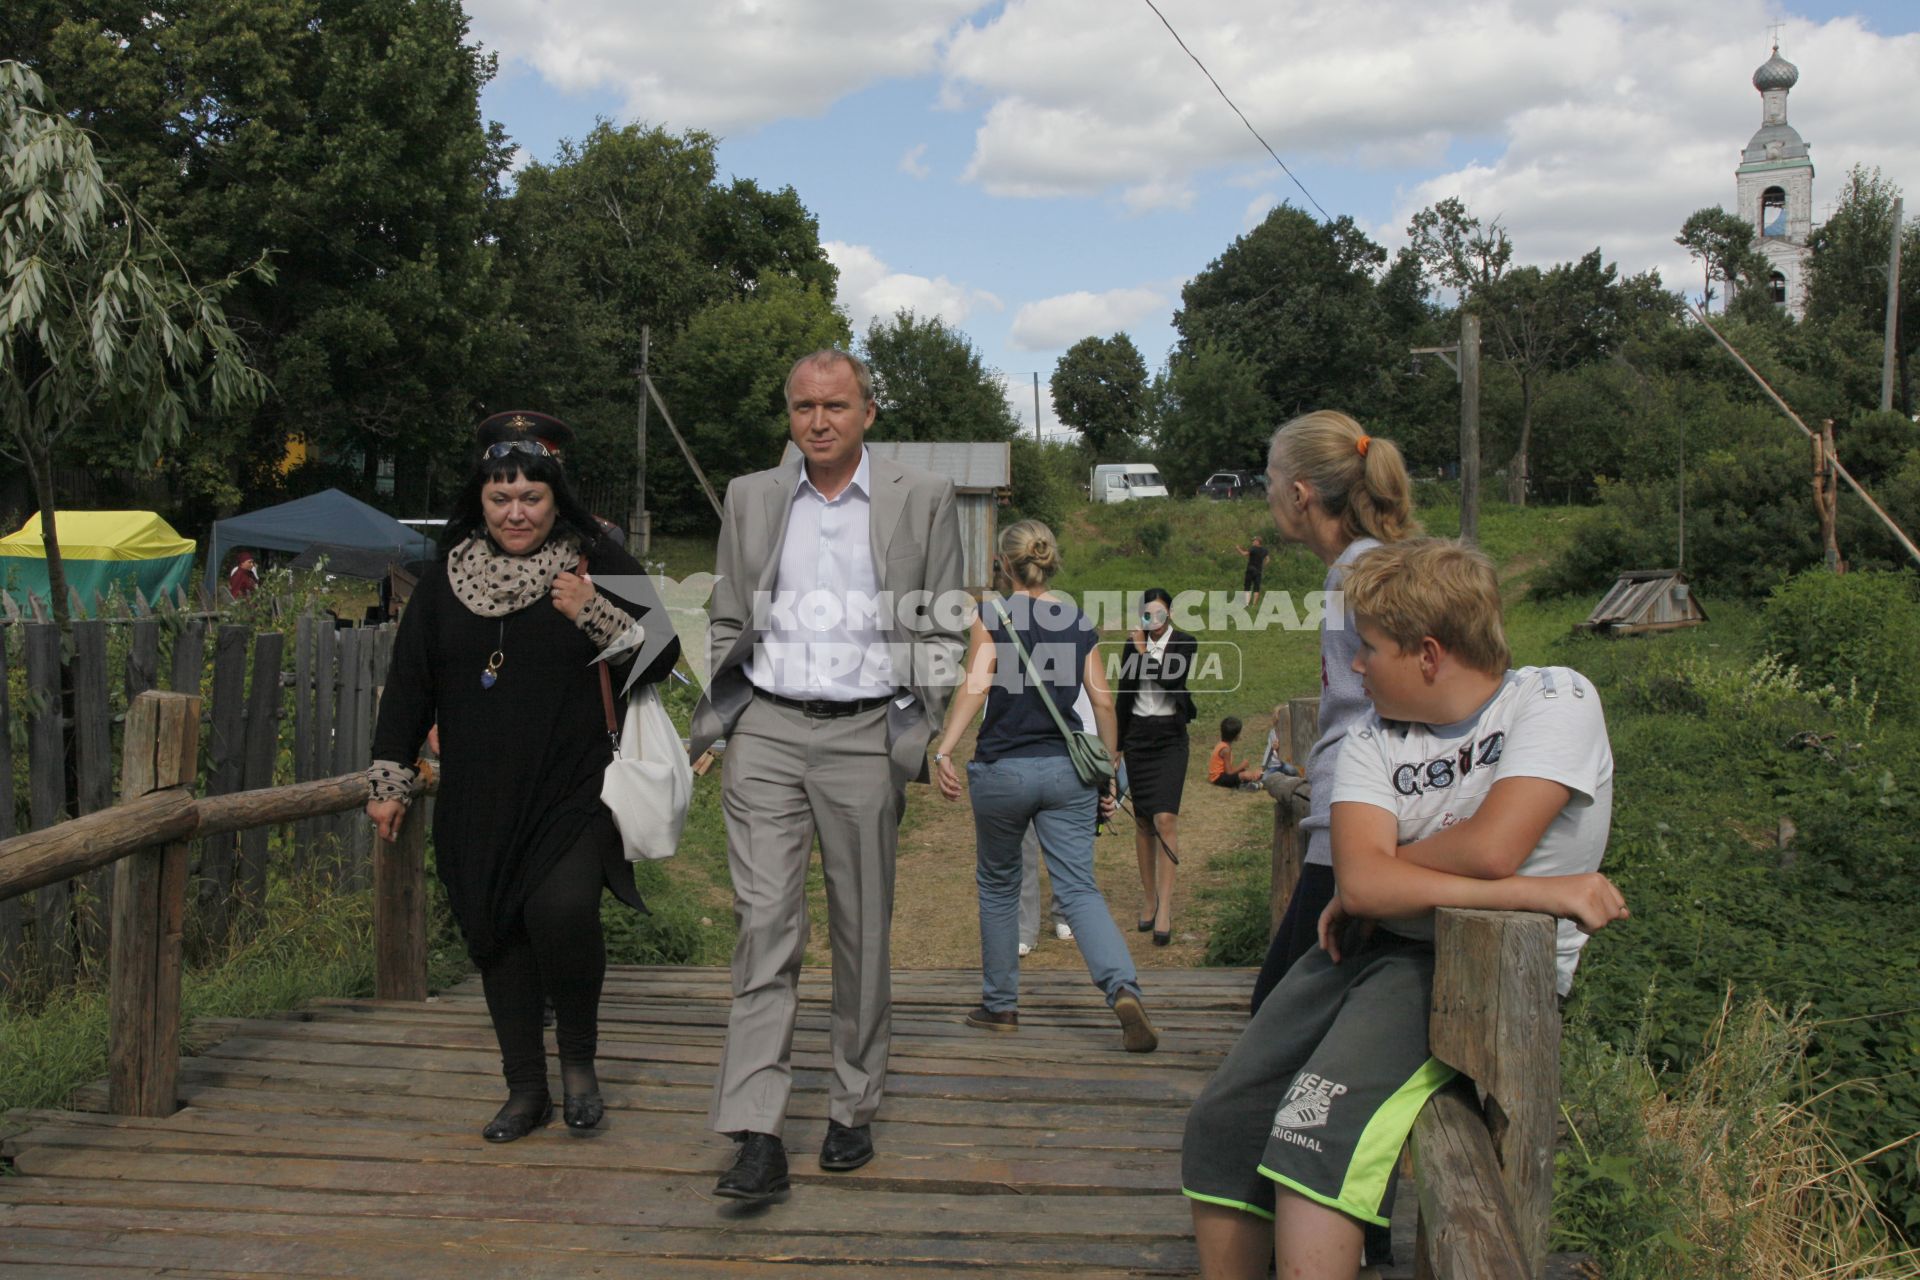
[497, 647]
[1153, 709]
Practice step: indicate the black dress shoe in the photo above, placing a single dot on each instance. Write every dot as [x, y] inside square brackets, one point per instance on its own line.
[518, 1119]
[759, 1171]
[847, 1147]
[584, 1112]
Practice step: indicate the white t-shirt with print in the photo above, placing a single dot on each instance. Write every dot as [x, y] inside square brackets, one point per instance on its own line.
[1544, 722]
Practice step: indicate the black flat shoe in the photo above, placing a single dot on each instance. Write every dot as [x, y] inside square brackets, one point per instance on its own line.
[584, 1111]
[847, 1147]
[1162, 938]
[1143, 925]
[759, 1171]
[516, 1120]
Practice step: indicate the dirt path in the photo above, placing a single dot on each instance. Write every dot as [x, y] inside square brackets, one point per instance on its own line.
[936, 916]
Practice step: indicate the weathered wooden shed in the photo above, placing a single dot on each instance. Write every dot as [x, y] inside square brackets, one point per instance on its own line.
[980, 473]
[1646, 600]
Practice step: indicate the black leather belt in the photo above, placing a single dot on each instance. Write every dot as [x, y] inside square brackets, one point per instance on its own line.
[826, 708]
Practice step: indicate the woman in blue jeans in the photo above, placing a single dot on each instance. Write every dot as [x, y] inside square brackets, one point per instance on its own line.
[1021, 774]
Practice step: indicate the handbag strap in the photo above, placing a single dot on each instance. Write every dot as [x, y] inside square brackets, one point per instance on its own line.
[606, 679]
[1046, 695]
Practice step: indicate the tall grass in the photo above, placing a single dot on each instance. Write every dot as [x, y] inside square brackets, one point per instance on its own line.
[1726, 1169]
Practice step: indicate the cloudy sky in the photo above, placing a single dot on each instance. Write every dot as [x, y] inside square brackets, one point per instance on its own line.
[1036, 171]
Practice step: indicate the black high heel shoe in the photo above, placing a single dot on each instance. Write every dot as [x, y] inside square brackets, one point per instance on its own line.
[517, 1119]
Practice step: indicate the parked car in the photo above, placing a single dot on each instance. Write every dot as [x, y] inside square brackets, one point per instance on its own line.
[1231, 484]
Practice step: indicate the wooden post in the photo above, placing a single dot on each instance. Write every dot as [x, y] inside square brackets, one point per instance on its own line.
[325, 684]
[261, 750]
[143, 657]
[149, 915]
[1285, 874]
[400, 910]
[47, 798]
[1826, 497]
[13, 934]
[1469, 426]
[93, 764]
[303, 642]
[1496, 1018]
[225, 766]
[189, 656]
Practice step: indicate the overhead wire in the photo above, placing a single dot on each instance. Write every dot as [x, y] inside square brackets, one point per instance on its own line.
[1236, 110]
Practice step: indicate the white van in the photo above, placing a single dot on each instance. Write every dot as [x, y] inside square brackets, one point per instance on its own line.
[1125, 481]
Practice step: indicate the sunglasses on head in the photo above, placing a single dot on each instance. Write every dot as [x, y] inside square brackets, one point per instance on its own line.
[506, 448]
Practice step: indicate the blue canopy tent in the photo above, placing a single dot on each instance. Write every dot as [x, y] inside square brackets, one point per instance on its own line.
[329, 518]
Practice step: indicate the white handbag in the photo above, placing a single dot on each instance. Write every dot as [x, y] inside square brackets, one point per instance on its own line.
[648, 782]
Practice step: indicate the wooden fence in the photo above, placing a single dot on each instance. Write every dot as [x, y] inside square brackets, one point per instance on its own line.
[270, 717]
[1483, 1147]
[144, 841]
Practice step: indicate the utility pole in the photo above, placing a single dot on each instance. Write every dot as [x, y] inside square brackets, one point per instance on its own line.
[1464, 359]
[1893, 315]
[1036, 406]
[1826, 496]
[1469, 427]
[642, 522]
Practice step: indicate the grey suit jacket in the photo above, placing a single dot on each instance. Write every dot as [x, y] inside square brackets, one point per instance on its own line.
[914, 529]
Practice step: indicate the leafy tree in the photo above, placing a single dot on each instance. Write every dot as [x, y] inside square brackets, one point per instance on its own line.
[1216, 416]
[1847, 278]
[628, 230]
[1722, 243]
[1296, 300]
[725, 381]
[931, 383]
[97, 318]
[344, 138]
[1457, 250]
[1543, 322]
[1100, 389]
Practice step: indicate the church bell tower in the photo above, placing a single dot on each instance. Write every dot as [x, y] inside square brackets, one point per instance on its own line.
[1775, 187]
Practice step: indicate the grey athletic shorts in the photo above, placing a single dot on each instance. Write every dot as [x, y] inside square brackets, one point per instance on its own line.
[1322, 1089]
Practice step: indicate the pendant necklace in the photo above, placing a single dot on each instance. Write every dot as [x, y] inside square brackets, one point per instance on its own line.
[498, 660]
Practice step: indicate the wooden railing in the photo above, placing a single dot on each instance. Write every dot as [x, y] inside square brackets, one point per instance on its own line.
[1483, 1147]
[144, 839]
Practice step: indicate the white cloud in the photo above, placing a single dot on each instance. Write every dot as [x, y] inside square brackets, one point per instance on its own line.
[914, 163]
[1589, 122]
[1257, 210]
[869, 288]
[720, 64]
[1054, 324]
[1149, 197]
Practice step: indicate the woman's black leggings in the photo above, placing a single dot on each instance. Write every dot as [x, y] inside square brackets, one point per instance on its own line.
[559, 952]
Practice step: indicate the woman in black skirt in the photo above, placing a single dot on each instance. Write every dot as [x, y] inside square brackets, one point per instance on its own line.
[497, 646]
[1153, 709]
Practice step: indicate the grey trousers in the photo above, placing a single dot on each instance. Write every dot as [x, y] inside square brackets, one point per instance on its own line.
[785, 778]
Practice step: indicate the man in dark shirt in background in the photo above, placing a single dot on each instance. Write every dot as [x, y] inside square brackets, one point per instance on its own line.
[1256, 565]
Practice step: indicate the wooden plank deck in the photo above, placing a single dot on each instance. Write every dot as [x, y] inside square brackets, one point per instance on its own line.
[342, 1140]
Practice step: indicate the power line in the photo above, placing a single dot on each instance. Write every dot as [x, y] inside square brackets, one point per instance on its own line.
[1236, 110]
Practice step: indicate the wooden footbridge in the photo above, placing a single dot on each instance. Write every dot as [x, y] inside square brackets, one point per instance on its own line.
[341, 1139]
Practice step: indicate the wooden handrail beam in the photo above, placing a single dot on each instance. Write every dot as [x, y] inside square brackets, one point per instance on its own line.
[69, 849]
[1467, 1228]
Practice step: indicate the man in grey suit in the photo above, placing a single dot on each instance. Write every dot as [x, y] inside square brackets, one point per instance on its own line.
[837, 632]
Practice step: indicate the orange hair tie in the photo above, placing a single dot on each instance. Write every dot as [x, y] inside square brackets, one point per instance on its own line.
[1362, 443]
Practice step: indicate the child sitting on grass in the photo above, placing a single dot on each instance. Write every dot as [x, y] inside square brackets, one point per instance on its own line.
[1469, 785]
[1222, 769]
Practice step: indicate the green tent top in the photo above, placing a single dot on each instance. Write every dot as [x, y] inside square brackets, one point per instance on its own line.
[98, 549]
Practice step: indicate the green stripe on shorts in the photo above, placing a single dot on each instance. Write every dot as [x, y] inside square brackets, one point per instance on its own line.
[1370, 1171]
[1242, 1206]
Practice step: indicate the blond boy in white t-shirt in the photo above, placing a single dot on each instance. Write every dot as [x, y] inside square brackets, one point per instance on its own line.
[1470, 785]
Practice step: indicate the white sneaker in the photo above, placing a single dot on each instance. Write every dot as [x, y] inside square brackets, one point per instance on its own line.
[1025, 947]
[1063, 931]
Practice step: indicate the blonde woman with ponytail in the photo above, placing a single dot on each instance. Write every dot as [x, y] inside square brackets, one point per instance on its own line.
[1021, 776]
[1338, 492]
